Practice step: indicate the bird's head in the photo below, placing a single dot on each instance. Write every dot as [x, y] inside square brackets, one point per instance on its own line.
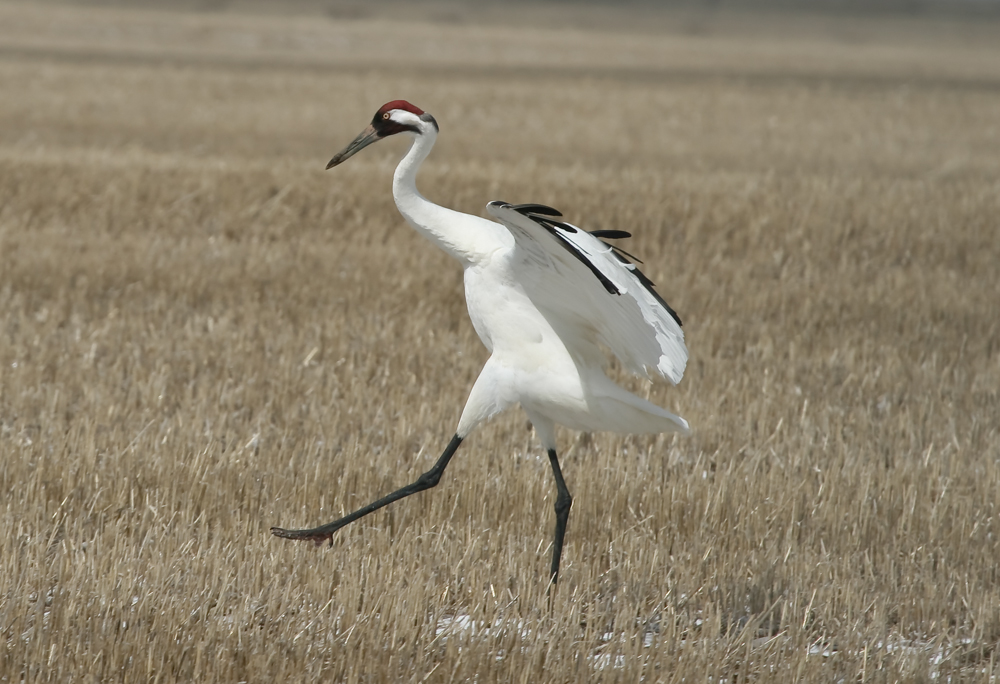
[398, 116]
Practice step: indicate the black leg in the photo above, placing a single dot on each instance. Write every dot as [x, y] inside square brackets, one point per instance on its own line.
[563, 502]
[425, 481]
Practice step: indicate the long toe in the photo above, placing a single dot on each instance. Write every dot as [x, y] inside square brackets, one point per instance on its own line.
[310, 535]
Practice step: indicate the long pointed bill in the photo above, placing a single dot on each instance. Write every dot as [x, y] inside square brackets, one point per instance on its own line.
[366, 138]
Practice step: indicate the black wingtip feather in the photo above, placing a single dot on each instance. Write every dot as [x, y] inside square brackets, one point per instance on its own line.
[554, 227]
[550, 224]
[610, 234]
[608, 285]
[624, 256]
[535, 209]
[536, 212]
[648, 284]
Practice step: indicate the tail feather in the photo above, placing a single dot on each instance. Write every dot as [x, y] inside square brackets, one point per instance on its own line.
[626, 413]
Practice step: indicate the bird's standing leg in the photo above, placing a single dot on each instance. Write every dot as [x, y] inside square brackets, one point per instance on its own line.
[425, 481]
[563, 503]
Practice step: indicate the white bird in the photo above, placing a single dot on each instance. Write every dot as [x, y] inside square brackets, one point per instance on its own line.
[544, 296]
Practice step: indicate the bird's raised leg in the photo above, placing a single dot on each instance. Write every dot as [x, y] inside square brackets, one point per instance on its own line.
[425, 481]
[563, 503]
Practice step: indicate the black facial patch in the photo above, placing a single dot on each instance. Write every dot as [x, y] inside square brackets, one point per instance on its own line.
[387, 127]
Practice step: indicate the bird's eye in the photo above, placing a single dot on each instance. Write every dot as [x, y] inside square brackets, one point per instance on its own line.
[386, 115]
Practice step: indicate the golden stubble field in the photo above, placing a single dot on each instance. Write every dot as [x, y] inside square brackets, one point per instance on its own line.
[203, 334]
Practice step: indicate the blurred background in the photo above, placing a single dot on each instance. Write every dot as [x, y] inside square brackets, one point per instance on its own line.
[203, 334]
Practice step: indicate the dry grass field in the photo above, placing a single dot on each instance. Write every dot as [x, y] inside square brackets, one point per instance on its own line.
[203, 334]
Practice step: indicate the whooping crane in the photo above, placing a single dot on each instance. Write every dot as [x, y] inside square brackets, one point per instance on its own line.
[543, 295]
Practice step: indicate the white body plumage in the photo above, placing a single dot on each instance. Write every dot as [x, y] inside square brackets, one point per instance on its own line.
[543, 313]
[544, 297]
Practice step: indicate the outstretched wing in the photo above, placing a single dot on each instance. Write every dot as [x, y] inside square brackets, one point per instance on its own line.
[592, 290]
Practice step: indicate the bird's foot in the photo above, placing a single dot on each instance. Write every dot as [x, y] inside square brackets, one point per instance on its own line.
[306, 535]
